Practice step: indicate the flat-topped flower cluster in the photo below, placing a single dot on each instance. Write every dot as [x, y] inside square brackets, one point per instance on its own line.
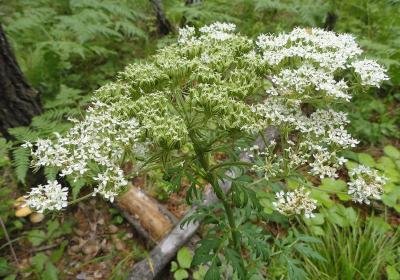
[51, 196]
[101, 140]
[365, 184]
[295, 202]
[216, 84]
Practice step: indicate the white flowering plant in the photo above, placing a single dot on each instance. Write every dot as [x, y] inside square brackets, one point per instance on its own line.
[210, 94]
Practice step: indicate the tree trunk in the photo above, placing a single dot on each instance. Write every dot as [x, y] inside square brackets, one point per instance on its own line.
[190, 2]
[19, 102]
[164, 26]
[330, 21]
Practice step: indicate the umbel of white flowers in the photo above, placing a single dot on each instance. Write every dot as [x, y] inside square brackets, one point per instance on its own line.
[230, 83]
[295, 202]
[365, 184]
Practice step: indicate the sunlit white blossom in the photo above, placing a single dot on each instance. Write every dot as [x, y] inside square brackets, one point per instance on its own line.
[371, 73]
[328, 126]
[324, 163]
[322, 132]
[110, 183]
[219, 30]
[328, 49]
[276, 111]
[308, 80]
[295, 202]
[101, 138]
[51, 196]
[365, 184]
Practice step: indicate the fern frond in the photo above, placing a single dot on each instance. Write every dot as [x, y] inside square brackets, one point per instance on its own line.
[130, 29]
[24, 134]
[101, 51]
[66, 49]
[4, 147]
[50, 172]
[21, 163]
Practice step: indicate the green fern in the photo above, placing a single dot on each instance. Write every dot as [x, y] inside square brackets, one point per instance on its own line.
[56, 41]
[4, 148]
[24, 134]
[21, 163]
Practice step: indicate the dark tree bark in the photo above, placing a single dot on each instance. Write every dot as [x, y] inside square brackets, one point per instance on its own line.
[190, 2]
[163, 24]
[19, 102]
[330, 21]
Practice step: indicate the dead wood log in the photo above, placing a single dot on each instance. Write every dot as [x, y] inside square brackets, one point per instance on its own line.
[166, 249]
[151, 219]
[164, 252]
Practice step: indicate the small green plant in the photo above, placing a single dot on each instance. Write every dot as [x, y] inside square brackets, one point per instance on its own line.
[53, 230]
[7, 272]
[181, 267]
[43, 267]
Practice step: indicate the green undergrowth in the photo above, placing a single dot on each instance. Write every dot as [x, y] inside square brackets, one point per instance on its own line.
[358, 249]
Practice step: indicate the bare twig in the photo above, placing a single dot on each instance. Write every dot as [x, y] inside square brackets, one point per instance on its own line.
[9, 241]
[45, 247]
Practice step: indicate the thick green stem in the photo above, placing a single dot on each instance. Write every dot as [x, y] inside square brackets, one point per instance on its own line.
[79, 199]
[221, 196]
[211, 178]
[229, 213]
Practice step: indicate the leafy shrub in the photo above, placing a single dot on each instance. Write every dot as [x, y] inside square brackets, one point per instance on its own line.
[214, 92]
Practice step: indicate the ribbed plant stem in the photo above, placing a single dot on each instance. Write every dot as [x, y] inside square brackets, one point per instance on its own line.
[221, 196]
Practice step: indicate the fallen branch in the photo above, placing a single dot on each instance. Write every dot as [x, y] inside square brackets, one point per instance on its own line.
[150, 219]
[45, 247]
